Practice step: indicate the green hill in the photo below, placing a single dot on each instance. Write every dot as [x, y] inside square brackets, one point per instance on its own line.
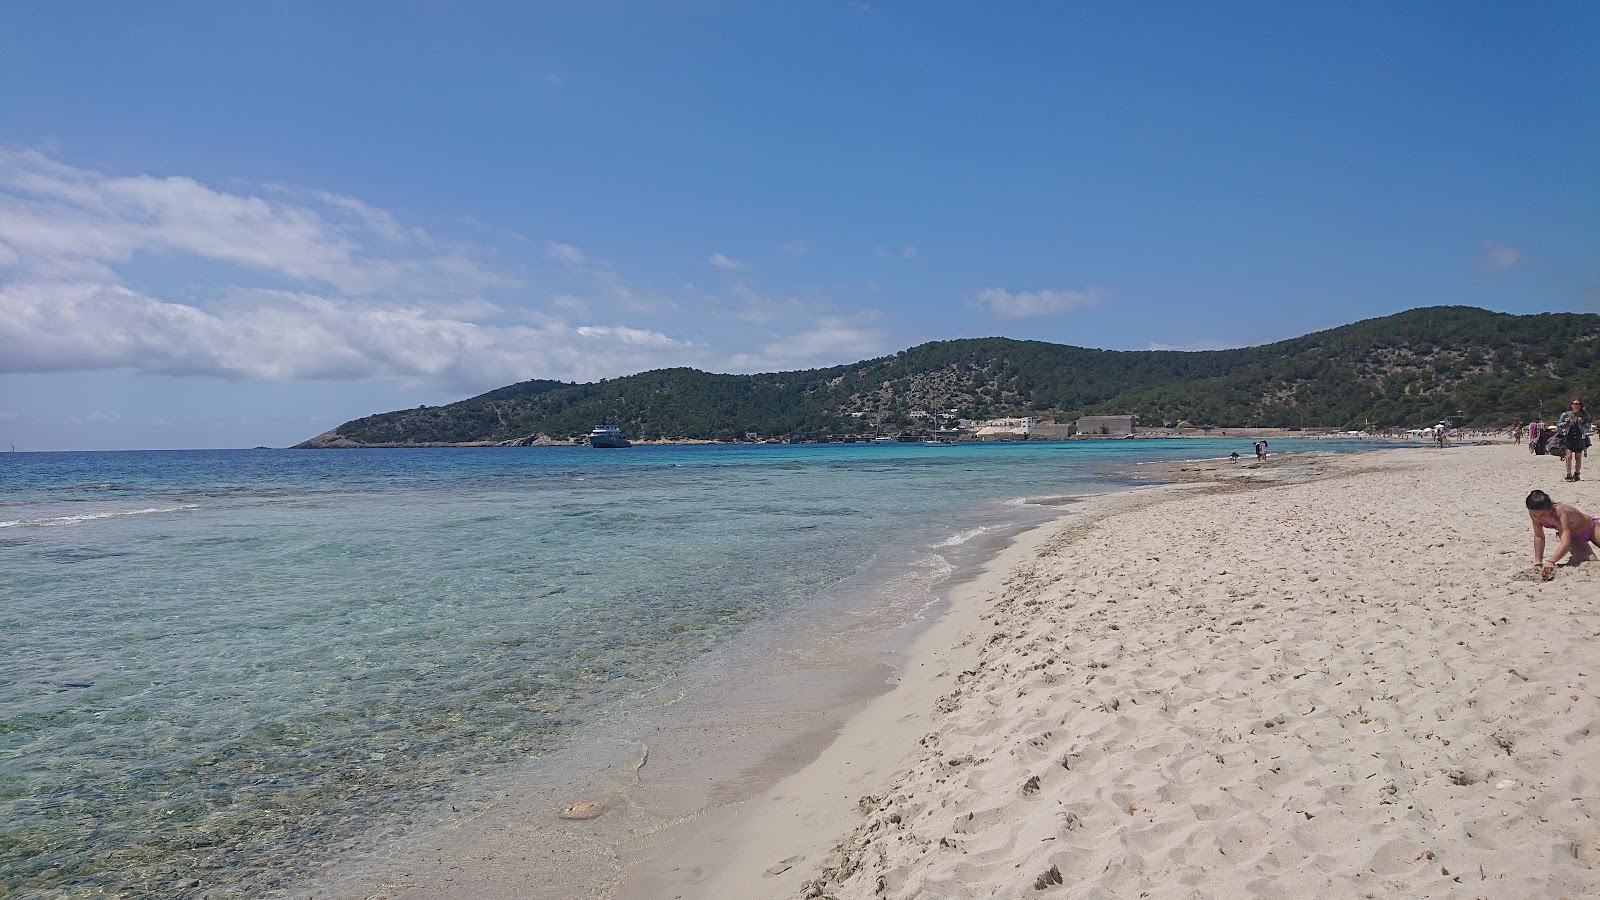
[1401, 370]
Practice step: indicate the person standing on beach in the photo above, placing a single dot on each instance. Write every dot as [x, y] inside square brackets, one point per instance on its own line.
[1572, 431]
[1575, 527]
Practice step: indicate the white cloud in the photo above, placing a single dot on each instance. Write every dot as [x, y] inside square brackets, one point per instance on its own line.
[286, 284]
[282, 336]
[1499, 257]
[1029, 304]
[825, 341]
[71, 222]
[797, 248]
[565, 253]
[316, 285]
[1189, 348]
[637, 337]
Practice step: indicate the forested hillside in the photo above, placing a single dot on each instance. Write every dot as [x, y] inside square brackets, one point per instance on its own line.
[1402, 370]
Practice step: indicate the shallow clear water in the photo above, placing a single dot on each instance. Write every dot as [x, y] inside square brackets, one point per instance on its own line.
[216, 663]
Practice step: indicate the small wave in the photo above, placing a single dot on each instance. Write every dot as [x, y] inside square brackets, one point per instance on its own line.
[956, 540]
[1044, 500]
[87, 517]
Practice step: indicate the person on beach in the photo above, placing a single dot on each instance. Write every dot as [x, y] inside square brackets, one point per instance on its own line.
[1234, 456]
[1575, 527]
[1572, 435]
[1261, 450]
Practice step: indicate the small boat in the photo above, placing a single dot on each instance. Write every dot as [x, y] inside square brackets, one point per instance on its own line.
[607, 436]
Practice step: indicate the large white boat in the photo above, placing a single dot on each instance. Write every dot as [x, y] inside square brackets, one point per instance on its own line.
[607, 436]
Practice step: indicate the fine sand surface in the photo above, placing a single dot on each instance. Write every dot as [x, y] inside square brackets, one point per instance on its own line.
[1344, 684]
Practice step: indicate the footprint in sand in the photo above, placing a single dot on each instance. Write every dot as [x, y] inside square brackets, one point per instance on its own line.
[781, 866]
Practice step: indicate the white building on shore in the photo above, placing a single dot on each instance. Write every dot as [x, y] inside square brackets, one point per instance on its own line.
[1007, 429]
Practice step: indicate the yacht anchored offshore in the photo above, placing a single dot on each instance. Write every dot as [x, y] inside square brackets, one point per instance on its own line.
[607, 436]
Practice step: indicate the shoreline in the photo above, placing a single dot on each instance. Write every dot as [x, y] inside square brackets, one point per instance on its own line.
[770, 844]
[707, 740]
[483, 849]
[331, 441]
[1125, 744]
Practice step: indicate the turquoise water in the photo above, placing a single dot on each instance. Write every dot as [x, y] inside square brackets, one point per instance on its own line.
[218, 664]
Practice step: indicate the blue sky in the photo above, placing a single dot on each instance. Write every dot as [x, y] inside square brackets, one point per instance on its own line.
[225, 225]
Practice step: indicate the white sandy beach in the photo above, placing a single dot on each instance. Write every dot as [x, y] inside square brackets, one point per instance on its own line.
[1350, 686]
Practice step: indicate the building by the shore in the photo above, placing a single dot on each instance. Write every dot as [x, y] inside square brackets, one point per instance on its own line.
[1109, 426]
[1006, 429]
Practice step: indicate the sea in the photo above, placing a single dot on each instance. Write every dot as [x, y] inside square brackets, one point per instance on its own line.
[228, 673]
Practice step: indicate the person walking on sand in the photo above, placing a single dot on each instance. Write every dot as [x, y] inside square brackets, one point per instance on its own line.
[1575, 527]
[1572, 435]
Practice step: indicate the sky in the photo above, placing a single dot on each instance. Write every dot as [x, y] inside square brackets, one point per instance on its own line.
[236, 225]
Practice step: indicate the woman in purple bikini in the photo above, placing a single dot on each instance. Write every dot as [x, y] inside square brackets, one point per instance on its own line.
[1575, 528]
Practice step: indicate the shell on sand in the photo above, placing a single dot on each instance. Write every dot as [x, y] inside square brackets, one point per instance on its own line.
[582, 809]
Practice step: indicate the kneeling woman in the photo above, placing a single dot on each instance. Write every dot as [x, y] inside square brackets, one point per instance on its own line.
[1575, 528]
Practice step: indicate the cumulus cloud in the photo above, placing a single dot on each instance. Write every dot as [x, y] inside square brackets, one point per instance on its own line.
[291, 336]
[62, 220]
[1029, 304]
[313, 285]
[279, 283]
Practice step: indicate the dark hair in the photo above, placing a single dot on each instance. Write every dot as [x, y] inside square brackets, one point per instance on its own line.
[1539, 500]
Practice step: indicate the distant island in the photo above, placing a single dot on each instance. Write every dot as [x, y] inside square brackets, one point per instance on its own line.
[1414, 368]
